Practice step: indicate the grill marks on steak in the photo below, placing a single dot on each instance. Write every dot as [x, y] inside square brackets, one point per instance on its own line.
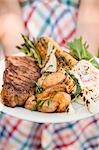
[20, 76]
[25, 61]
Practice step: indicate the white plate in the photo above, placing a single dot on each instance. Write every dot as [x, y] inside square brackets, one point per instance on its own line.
[80, 110]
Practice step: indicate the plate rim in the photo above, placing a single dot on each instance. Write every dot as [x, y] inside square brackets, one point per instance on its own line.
[45, 117]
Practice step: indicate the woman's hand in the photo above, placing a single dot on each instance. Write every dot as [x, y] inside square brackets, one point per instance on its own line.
[11, 25]
[10, 33]
[88, 24]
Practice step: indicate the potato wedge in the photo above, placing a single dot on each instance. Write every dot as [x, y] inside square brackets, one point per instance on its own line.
[53, 79]
[63, 99]
[30, 103]
[48, 108]
[58, 103]
[50, 92]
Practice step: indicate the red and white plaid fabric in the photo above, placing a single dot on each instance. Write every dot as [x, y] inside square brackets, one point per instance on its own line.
[56, 18]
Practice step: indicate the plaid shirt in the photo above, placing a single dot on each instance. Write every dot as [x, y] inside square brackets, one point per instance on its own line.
[56, 18]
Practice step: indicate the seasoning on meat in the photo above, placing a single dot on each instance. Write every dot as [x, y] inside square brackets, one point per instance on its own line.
[19, 78]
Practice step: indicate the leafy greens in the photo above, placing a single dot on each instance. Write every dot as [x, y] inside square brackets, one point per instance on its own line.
[79, 49]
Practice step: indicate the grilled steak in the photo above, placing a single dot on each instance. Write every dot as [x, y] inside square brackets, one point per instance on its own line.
[19, 78]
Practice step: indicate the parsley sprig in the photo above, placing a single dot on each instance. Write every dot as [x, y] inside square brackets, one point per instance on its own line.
[38, 89]
[78, 87]
[41, 102]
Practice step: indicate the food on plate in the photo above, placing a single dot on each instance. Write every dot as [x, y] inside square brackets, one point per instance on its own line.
[30, 50]
[50, 61]
[58, 77]
[30, 103]
[41, 50]
[19, 78]
[79, 49]
[87, 72]
[49, 79]
[70, 84]
[88, 77]
[59, 103]
[63, 58]
[63, 99]
[51, 91]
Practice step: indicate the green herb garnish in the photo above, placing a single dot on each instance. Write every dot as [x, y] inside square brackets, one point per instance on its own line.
[79, 49]
[98, 53]
[38, 89]
[51, 91]
[78, 87]
[40, 103]
[48, 102]
[94, 62]
[36, 105]
[46, 73]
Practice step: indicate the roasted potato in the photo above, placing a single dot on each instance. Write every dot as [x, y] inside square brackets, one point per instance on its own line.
[58, 103]
[63, 99]
[50, 92]
[30, 103]
[47, 108]
[53, 79]
[40, 80]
